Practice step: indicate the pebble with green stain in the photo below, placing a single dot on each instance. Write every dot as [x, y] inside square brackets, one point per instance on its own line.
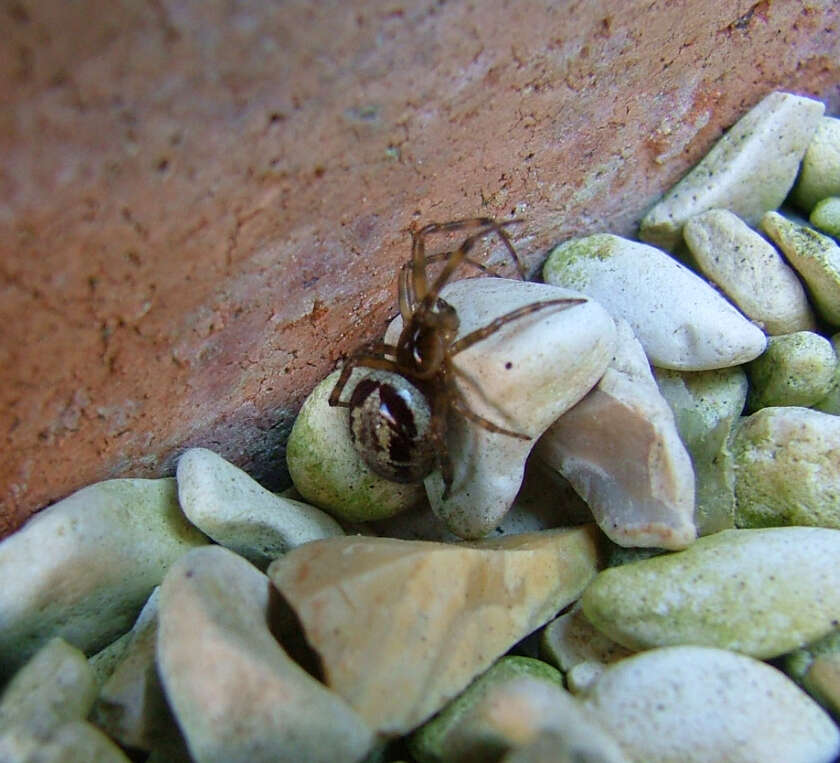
[748, 171]
[817, 668]
[706, 406]
[814, 256]
[328, 471]
[820, 173]
[787, 467]
[831, 402]
[826, 216]
[55, 687]
[795, 369]
[681, 321]
[91, 562]
[760, 592]
[694, 704]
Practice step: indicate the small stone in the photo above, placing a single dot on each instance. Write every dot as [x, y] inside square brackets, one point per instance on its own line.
[787, 468]
[760, 592]
[522, 377]
[681, 321]
[54, 687]
[795, 369]
[402, 626]
[77, 742]
[510, 707]
[131, 706]
[105, 661]
[826, 216]
[620, 449]
[429, 743]
[328, 471]
[706, 406]
[815, 257]
[750, 271]
[831, 402]
[748, 171]
[820, 173]
[695, 705]
[579, 649]
[82, 568]
[235, 692]
[817, 668]
[238, 513]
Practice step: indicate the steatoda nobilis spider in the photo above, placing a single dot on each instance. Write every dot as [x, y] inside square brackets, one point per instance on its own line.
[398, 419]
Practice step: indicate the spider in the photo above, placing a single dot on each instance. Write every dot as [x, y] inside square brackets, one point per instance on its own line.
[398, 418]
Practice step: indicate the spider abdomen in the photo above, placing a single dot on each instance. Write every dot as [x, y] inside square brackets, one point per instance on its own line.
[390, 422]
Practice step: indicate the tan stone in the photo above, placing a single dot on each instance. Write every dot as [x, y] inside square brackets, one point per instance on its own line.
[620, 449]
[403, 626]
[236, 694]
[206, 207]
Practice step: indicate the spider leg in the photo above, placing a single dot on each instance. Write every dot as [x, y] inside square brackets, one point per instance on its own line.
[488, 224]
[460, 405]
[365, 359]
[419, 260]
[438, 437]
[476, 336]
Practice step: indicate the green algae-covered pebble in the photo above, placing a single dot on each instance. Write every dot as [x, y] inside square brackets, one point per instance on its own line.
[329, 473]
[826, 216]
[428, 743]
[787, 468]
[759, 592]
[815, 257]
[831, 402]
[795, 369]
[83, 568]
[820, 173]
[706, 404]
[817, 668]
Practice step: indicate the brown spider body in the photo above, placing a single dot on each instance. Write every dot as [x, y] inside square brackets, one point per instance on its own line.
[398, 423]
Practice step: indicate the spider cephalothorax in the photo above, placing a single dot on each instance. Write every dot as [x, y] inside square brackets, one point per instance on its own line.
[398, 415]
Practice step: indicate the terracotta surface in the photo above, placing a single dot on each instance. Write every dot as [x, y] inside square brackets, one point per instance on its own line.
[203, 204]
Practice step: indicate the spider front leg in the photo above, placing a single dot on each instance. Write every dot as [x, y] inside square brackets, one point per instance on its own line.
[491, 328]
[366, 359]
[419, 286]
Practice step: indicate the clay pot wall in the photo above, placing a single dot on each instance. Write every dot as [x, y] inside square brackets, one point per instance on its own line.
[203, 205]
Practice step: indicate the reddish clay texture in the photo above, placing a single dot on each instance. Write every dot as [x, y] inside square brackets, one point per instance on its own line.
[203, 205]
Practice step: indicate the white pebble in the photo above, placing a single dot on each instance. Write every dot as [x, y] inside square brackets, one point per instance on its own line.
[681, 321]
